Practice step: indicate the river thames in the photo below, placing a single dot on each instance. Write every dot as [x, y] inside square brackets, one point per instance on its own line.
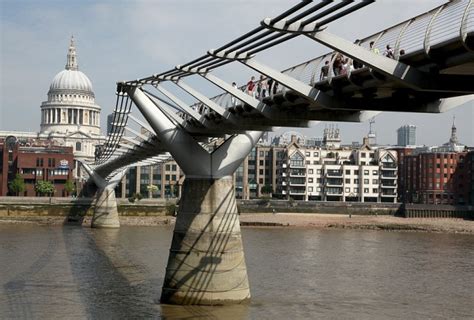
[54, 272]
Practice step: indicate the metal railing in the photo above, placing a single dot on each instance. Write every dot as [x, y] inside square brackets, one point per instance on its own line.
[437, 27]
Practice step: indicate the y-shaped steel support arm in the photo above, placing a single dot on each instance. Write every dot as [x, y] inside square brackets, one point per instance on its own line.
[191, 157]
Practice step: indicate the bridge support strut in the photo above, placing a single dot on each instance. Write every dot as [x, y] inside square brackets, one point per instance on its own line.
[105, 209]
[206, 265]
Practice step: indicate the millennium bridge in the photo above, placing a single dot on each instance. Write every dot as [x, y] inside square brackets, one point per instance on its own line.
[430, 69]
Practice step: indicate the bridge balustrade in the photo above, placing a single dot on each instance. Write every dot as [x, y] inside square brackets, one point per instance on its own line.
[437, 27]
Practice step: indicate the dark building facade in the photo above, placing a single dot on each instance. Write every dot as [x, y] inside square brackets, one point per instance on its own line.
[470, 165]
[35, 162]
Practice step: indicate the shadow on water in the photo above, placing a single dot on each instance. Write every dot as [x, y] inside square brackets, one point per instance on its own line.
[110, 285]
[17, 290]
[81, 205]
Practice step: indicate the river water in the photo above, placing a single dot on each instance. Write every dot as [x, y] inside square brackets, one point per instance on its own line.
[54, 272]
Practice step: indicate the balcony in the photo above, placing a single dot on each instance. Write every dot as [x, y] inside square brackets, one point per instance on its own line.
[297, 166]
[297, 184]
[388, 186]
[389, 175]
[334, 173]
[388, 194]
[298, 192]
[334, 191]
[334, 182]
[297, 174]
[389, 166]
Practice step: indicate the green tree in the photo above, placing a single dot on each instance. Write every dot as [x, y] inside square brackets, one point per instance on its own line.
[17, 185]
[266, 189]
[44, 187]
[69, 186]
[138, 196]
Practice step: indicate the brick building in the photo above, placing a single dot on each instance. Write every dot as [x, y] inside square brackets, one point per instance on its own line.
[437, 178]
[438, 175]
[35, 162]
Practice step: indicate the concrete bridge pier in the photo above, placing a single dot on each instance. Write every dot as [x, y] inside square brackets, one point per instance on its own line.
[206, 265]
[105, 210]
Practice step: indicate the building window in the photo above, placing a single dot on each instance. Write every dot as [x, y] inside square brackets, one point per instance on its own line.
[261, 162]
[348, 171]
[375, 190]
[366, 172]
[318, 171]
[366, 181]
[297, 160]
[310, 171]
[348, 180]
[308, 162]
[310, 180]
[362, 154]
[173, 167]
[308, 154]
[315, 154]
[318, 189]
[356, 181]
[356, 172]
[375, 181]
[366, 190]
[375, 172]
[78, 146]
[261, 153]
[315, 162]
[310, 189]
[348, 190]
[356, 190]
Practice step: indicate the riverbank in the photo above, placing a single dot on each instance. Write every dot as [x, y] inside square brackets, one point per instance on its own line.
[289, 220]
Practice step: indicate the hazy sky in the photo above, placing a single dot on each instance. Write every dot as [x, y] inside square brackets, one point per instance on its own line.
[123, 40]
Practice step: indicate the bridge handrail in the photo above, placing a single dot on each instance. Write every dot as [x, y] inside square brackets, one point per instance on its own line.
[408, 35]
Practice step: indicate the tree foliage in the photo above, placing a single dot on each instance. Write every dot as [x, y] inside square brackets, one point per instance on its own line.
[44, 187]
[266, 189]
[69, 186]
[17, 185]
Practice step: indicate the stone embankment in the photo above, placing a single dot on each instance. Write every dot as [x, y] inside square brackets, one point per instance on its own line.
[254, 213]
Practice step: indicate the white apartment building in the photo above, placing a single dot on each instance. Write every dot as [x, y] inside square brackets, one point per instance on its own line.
[337, 174]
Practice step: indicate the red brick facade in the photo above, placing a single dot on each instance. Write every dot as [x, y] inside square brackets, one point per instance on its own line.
[34, 163]
[434, 177]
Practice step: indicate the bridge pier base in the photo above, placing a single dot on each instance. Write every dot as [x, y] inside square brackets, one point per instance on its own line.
[206, 265]
[105, 212]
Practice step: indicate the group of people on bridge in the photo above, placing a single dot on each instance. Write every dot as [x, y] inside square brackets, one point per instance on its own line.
[342, 65]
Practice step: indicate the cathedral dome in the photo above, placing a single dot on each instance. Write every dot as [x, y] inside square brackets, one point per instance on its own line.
[71, 106]
[71, 79]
